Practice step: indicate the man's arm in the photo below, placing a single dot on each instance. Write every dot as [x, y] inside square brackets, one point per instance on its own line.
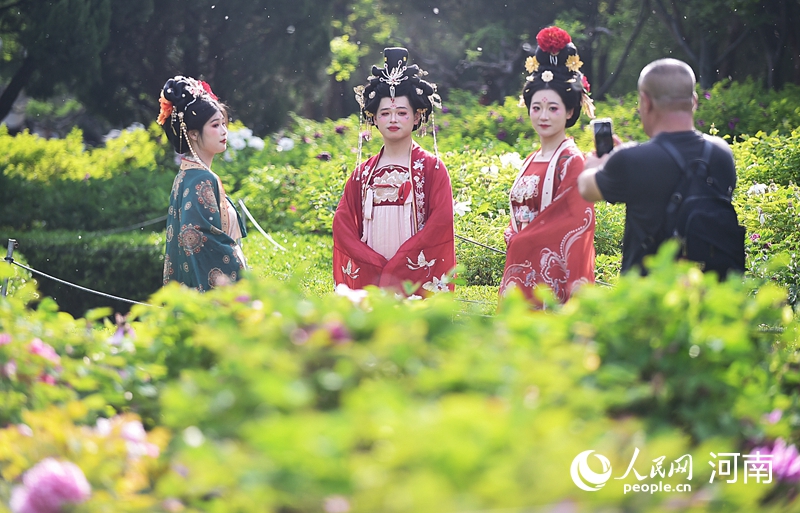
[587, 182]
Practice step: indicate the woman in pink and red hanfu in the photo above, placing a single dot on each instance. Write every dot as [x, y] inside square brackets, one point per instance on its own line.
[394, 224]
[550, 237]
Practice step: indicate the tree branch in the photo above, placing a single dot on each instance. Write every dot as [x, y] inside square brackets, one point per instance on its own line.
[676, 31]
[11, 5]
[643, 14]
[745, 33]
[18, 82]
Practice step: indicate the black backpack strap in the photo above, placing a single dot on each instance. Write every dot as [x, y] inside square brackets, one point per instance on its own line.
[667, 226]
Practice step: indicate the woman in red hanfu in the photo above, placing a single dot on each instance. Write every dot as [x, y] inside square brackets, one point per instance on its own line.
[550, 237]
[394, 223]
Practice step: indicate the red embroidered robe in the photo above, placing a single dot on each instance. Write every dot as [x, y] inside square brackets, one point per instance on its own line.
[425, 258]
[553, 245]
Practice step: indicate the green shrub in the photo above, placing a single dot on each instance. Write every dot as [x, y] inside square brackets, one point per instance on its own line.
[58, 184]
[274, 400]
[738, 109]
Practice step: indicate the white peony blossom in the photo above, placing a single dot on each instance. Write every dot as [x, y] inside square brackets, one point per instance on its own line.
[285, 144]
[462, 207]
[236, 141]
[511, 159]
[256, 143]
[490, 170]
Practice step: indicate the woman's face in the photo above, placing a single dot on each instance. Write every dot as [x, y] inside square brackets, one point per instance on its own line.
[548, 113]
[395, 119]
[214, 137]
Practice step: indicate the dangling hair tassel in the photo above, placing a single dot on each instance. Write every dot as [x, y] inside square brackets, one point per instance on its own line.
[360, 144]
[435, 146]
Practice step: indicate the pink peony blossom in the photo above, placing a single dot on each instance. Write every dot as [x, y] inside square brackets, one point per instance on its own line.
[5, 338]
[774, 416]
[336, 504]
[44, 350]
[9, 370]
[785, 460]
[136, 440]
[48, 486]
[338, 332]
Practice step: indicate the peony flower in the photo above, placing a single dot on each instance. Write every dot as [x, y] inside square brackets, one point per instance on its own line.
[9, 370]
[172, 505]
[355, 296]
[123, 334]
[336, 504]
[49, 487]
[775, 415]
[5, 338]
[490, 171]
[136, 440]
[46, 351]
[236, 140]
[757, 188]
[256, 143]
[553, 39]
[511, 159]
[338, 332]
[462, 207]
[754, 237]
[785, 460]
[325, 155]
[285, 144]
[339, 129]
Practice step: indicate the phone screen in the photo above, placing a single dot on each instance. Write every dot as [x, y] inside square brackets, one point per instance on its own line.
[603, 139]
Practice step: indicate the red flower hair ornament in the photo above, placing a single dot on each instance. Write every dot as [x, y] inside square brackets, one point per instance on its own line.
[207, 89]
[553, 39]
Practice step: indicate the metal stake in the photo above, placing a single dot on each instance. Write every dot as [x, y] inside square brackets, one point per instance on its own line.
[12, 243]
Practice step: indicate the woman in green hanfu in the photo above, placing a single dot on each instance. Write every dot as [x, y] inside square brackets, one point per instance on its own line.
[204, 230]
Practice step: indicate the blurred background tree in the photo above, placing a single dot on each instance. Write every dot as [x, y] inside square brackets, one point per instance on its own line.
[267, 58]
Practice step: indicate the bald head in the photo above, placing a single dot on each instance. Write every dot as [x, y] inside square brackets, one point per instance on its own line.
[669, 83]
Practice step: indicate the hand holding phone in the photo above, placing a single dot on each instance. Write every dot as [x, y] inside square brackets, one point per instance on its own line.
[603, 136]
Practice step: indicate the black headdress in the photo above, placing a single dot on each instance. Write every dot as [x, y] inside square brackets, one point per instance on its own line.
[186, 104]
[397, 78]
[556, 65]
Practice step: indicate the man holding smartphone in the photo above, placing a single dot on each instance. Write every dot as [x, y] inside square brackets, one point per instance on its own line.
[645, 176]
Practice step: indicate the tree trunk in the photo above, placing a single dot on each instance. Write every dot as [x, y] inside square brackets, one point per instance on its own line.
[18, 82]
[607, 83]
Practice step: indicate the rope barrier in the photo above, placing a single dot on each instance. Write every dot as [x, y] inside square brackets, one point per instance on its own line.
[132, 227]
[480, 244]
[258, 226]
[63, 282]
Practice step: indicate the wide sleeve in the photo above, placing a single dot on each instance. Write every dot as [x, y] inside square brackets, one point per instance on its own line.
[355, 264]
[428, 256]
[205, 255]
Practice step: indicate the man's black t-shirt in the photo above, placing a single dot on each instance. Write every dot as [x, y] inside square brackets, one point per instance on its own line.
[645, 176]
